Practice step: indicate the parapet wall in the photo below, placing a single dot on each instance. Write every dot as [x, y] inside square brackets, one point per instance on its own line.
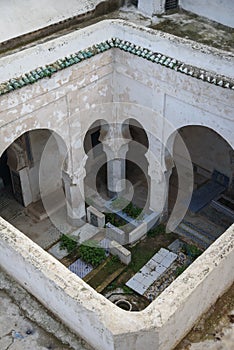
[102, 324]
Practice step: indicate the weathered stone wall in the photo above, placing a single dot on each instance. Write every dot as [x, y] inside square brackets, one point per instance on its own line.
[102, 324]
[57, 103]
[117, 85]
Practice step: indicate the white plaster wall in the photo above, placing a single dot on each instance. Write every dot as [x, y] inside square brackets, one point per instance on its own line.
[59, 104]
[217, 10]
[151, 7]
[163, 100]
[106, 327]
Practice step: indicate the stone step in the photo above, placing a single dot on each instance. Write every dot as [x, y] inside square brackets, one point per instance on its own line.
[204, 236]
[213, 233]
[193, 237]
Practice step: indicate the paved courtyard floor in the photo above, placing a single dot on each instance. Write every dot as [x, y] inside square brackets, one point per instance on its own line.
[26, 325]
[17, 332]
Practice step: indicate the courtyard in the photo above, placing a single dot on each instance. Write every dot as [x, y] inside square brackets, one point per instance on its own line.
[116, 174]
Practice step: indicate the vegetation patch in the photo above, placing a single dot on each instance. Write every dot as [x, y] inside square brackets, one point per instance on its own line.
[160, 229]
[115, 220]
[191, 251]
[107, 273]
[133, 211]
[92, 253]
[68, 243]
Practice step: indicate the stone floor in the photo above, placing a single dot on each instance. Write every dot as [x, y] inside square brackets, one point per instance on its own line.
[26, 325]
[44, 232]
[17, 332]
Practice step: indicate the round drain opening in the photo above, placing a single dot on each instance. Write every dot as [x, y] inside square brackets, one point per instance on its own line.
[124, 304]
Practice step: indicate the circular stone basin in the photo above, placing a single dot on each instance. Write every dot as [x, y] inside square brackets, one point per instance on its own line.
[124, 304]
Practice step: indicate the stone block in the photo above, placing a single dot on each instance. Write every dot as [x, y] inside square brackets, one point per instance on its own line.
[115, 234]
[118, 250]
[138, 233]
[95, 217]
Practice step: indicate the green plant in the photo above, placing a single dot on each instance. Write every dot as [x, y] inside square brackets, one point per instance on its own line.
[68, 243]
[160, 229]
[180, 270]
[114, 220]
[133, 211]
[114, 259]
[191, 250]
[112, 286]
[92, 253]
[127, 290]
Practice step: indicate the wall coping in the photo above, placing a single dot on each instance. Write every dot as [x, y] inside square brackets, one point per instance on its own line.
[107, 318]
[157, 52]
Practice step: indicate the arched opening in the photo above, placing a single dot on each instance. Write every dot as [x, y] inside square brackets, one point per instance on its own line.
[95, 181]
[31, 170]
[212, 162]
[136, 163]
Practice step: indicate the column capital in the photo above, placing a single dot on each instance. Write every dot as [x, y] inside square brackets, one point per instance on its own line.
[115, 141]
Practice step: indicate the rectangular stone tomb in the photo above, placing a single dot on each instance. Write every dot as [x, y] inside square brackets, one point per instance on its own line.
[95, 217]
[151, 271]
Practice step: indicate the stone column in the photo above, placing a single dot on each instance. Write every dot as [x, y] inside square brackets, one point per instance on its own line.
[158, 188]
[115, 145]
[75, 199]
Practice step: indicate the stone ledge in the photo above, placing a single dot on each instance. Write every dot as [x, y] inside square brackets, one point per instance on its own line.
[155, 57]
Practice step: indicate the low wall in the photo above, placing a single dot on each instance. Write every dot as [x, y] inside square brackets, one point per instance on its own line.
[118, 250]
[138, 233]
[114, 233]
[102, 324]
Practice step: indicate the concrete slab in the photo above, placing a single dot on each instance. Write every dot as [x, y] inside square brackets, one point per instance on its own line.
[19, 333]
[160, 269]
[85, 232]
[57, 252]
[157, 259]
[151, 271]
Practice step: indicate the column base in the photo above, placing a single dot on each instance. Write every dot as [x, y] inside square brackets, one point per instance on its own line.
[76, 222]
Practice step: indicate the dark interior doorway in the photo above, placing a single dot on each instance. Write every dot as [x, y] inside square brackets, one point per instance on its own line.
[5, 175]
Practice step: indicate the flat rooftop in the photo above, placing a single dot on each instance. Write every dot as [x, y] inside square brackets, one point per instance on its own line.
[200, 29]
[18, 30]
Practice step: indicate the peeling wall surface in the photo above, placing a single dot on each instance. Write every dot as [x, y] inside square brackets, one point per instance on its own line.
[112, 83]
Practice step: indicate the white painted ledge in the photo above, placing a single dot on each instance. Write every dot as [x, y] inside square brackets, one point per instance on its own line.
[102, 324]
[187, 51]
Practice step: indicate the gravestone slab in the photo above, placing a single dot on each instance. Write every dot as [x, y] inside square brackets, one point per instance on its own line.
[95, 217]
